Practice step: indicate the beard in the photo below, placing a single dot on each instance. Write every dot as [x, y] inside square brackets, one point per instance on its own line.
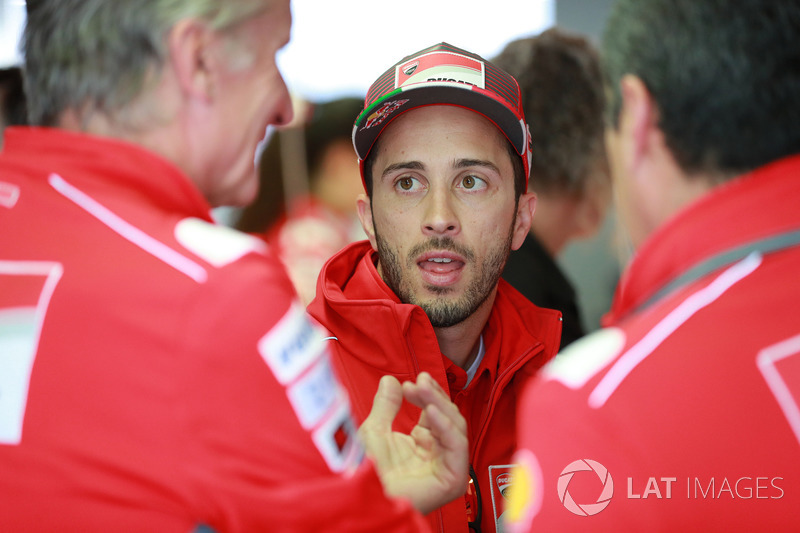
[444, 312]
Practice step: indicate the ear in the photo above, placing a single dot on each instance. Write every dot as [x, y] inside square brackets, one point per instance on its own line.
[638, 120]
[525, 209]
[591, 208]
[189, 44]
[364, 207]
[588, 217]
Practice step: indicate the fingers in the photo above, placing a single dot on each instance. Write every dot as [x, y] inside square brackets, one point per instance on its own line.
[441, 427]
[429, 467]
[452, 438]
[449, 454]
[427, 392]
[424, 391]
[423, 438]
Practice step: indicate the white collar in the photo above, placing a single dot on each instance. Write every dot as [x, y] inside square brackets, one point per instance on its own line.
[473, 368]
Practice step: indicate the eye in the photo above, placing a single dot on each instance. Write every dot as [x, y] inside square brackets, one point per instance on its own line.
[472, 183]
[407, 184]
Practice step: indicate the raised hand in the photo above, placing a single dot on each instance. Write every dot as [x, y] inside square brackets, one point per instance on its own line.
[429, 467]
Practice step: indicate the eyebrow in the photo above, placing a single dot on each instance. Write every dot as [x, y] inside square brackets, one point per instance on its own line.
[466, 163]
[461, 163]
[404, 165]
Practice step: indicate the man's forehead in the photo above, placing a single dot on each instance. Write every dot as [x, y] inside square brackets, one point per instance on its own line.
[465, 136]
[440, 113]
[413, 126]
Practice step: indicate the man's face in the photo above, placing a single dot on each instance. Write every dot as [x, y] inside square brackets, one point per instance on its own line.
[253, 96]
[443, 215]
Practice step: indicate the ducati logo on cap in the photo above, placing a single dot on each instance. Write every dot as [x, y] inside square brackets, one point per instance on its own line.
[408, 70]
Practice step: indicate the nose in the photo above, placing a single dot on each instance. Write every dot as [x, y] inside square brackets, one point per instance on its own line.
[440, 218]
[284, 112]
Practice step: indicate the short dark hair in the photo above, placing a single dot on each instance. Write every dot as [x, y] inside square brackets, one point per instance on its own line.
[516, 165]
[725, 77]
[562, 95]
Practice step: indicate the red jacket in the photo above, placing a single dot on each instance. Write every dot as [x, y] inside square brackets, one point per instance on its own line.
[157, 371]
[683, 413]
[375, 335]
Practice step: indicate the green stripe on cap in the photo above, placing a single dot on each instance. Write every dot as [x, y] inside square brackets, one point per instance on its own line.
[368, 110]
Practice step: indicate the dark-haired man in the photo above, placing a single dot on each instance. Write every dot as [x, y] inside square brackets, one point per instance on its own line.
[444, 152]
[682, 414]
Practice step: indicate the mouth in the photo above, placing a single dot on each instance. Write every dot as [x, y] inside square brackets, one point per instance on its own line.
[441, 268]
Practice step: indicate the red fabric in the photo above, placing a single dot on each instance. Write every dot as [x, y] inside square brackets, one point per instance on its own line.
[690, 403]
[160, 396]
[378, 335]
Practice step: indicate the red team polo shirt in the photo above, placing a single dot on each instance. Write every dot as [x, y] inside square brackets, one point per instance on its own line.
[683, 414]
[157, 372]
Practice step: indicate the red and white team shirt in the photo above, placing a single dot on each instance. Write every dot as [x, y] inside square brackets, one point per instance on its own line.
[157, 372]
[684, 412]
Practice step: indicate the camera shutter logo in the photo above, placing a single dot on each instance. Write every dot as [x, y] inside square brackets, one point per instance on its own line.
[585, 509]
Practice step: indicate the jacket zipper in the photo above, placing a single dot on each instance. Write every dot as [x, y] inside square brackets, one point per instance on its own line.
[500, 384]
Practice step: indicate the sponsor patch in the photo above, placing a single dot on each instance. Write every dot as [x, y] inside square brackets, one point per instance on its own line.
[316, 392]
[336, 440]
[501, 477]
[292, 345]
[296, 352]
[441, 66]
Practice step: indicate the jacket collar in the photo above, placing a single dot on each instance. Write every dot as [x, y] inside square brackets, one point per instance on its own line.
[359, 307]
[107, 162]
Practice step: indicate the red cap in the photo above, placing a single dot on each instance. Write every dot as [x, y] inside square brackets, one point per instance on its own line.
[444, 75]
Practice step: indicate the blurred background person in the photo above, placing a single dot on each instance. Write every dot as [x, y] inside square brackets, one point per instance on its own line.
[306, 207]
[562, 94]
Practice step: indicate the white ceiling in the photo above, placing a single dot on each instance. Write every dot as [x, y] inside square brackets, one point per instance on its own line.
[339, 48]
[12, 18]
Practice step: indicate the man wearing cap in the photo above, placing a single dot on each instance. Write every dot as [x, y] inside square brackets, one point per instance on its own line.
[444, 154]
